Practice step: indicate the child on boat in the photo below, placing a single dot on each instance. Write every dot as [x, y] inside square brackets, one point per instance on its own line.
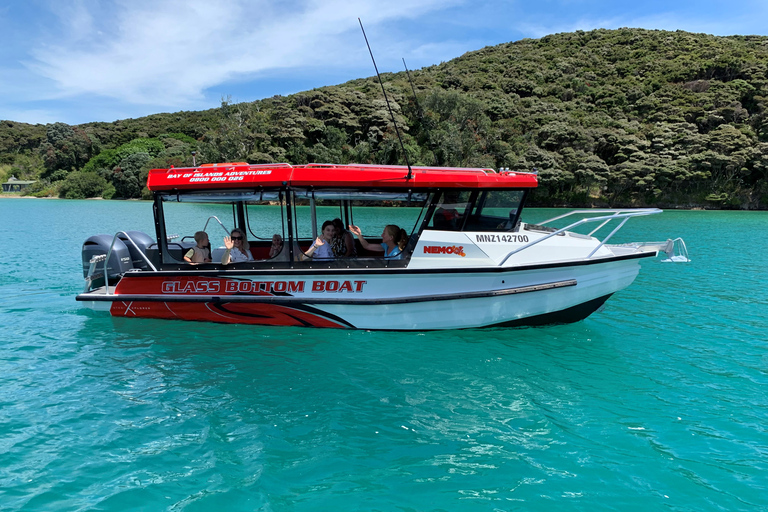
[343, 244]
[321, 248]
[393, 241]
[201, 253]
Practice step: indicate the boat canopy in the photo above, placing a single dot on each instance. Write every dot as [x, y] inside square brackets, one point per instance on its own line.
[244, 175]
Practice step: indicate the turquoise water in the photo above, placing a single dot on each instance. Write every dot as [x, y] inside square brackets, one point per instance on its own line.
[658, 402]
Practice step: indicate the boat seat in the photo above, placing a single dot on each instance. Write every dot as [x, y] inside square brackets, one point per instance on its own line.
[177, 250]
[217, 254]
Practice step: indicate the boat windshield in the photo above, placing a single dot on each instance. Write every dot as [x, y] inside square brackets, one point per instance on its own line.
[478, 210]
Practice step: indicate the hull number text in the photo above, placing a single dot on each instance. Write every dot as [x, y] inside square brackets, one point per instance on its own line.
[502, 238]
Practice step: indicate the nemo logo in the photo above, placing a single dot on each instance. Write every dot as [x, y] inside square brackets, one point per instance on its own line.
[442, 249]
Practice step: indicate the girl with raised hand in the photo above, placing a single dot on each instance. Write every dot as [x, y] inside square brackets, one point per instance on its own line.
[393, 241]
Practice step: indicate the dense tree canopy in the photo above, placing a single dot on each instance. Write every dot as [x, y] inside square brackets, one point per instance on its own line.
[624, 117]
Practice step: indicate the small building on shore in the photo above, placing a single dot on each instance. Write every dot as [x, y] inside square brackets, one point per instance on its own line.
[16, 185]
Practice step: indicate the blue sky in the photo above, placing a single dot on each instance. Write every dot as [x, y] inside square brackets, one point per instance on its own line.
[77, 61]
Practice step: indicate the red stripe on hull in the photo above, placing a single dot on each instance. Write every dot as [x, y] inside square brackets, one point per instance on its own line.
[230, 313]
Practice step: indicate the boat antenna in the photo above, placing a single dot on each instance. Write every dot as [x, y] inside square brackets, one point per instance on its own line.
[415, 98]
[397, 131]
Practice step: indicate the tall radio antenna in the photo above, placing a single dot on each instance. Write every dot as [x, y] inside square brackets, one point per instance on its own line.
[397, 130]
[418, 107]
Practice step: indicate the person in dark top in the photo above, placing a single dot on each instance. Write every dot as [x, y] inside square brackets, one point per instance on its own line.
[343, 244]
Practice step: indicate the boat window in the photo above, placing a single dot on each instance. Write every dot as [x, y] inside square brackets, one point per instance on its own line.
[415, 197]
[451, 210]
[369, 210]
[184, 219]
[260, 214]
[267, 228]
[222, 197]
[495, 210]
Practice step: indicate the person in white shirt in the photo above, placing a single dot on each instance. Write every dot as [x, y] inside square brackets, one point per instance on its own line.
[321, 248]
[237, 246]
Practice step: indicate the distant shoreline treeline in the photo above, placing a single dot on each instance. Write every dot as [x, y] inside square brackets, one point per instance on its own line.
[626, 117]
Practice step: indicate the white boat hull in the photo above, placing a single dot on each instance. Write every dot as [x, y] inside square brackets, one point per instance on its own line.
[387, 299]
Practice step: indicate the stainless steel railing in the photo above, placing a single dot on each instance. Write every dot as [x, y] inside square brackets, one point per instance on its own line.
[205, 228]
[616, 215]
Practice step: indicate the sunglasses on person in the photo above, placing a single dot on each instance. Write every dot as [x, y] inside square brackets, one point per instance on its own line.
[236, 238]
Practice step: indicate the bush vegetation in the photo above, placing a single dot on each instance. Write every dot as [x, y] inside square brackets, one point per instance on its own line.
[626, 117]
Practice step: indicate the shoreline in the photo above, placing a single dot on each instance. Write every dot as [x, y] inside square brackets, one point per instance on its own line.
[676, 208]
[17, 196]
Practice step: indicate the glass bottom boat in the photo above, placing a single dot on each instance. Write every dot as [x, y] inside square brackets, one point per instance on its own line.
[468, 258]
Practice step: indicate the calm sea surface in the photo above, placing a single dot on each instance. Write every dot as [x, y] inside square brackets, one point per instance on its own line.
[658, 402]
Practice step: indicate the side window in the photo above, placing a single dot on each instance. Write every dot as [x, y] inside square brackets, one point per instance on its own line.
[451, 211]
[260, 214]
[370, 211]
[267, 228]
[495, 210]
[311, 211]
[184, 219]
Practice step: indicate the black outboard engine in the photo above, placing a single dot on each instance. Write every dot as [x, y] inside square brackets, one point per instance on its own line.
[143, 241]
[118, 264]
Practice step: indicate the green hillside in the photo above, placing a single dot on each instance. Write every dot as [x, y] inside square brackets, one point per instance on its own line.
[626, 117]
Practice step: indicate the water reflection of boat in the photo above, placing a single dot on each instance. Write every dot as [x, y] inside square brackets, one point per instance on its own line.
[470, 260]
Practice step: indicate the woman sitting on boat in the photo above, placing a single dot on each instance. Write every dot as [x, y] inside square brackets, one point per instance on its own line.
[237, 246]
[343, 244]
[393, 241]
[321, 248]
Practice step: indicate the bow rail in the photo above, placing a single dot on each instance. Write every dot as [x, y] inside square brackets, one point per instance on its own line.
[619, 215]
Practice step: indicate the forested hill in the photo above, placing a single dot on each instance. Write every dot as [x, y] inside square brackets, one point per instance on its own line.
[626, 117]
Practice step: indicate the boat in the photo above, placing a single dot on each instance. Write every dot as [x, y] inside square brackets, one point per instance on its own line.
[470, 260]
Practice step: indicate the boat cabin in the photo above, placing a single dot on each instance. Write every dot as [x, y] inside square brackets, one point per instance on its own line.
[287, 205]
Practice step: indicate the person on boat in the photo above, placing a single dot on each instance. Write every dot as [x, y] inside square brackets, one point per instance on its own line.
[277, 246]
[201, 253]
[237, 246]
[343, 244]
[321, 248]
[393, 241]
[446, 216]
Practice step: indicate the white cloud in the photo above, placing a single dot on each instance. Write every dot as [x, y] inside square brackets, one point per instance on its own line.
[168, 52]
[111, 59]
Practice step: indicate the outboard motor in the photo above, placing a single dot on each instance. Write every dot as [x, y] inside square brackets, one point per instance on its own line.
[119, 261]
[143, 241]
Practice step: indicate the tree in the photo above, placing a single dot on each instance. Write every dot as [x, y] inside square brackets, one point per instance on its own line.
[66, 148]
[82, 185]
[130, 175]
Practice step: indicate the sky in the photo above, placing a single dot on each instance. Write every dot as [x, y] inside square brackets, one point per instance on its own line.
[77, 61]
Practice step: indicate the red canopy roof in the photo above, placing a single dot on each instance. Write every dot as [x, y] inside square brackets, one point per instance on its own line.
[243, 175]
